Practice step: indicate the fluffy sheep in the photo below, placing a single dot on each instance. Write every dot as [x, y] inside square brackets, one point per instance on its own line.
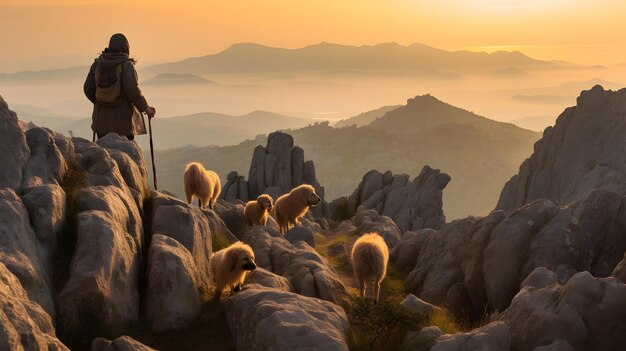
[201, 183]
[289, 208]
[256, 211]
[369, 261]
[230, 265]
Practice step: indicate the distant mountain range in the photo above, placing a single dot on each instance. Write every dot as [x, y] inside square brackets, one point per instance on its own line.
[365, 118]
[199, 129]
[480, 154]
[323, 57]
[177, 79]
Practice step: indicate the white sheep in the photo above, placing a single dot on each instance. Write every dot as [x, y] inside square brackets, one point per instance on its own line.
[369, 261]
[201, 183]
[230, 265]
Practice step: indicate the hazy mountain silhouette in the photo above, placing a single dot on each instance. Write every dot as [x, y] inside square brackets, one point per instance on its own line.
[365, 118]
[199, 129]
[256, 58]
[480, 154]
[177, 79]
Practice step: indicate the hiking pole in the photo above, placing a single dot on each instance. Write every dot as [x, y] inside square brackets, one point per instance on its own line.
[154, 174]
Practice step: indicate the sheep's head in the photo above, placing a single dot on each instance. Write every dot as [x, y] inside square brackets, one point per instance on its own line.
[307, 193]
[265, 201]
[242, 257]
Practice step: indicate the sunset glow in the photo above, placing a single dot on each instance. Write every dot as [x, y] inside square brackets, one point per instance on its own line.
[66, 33]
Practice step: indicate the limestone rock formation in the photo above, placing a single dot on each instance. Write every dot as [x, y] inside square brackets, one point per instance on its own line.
[173, 299]
[24, 325]
[582, 152]
[19, 250]
[586, 313]
[404, 253]
[493, 336]
[270, 280]
[262, 318]
[478, 264]
[308, 273]
[275, 170]
[412, 205]
[369, 221]
[14, 148]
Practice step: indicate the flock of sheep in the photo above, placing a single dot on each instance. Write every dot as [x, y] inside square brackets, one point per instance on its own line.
[230, 265]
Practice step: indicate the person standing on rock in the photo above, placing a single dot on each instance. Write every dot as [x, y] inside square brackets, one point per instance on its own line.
[112, 87]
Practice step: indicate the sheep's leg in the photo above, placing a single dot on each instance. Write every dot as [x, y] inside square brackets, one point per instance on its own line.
[362, 287]
[210, 205]
[376, 291]
[189, 196]
[199, 203]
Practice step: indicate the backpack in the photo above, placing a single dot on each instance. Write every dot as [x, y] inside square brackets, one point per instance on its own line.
[108, 85]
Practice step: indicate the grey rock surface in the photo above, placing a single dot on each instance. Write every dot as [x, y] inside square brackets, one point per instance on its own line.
[14, 148]
[582, 152]
[412, 205]
[284, 321]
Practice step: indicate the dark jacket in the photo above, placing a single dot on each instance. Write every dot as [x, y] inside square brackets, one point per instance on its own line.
[124, 118]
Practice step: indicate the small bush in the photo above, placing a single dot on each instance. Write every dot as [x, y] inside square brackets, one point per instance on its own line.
[382, 325]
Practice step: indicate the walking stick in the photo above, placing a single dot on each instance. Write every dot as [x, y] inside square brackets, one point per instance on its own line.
[154, 174]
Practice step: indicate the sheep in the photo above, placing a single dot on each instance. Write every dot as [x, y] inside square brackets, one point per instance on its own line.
[369, 261]
[256, 211]
[201, 183]
[229, 267]
[289, 208]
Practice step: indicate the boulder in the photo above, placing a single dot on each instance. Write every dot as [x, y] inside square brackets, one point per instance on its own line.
[582, 152]
[585, 313]
[123, 343]
[47, 208]
[416, 305]
[46, 164]
[412, 205]
[101, 296]
[19, 250]
[478, 264]
[270, 280]
[298, 233]
[493, 336]
[130, 161]
[24, 325]
[282, 320]
[14, 148]
[172, 298]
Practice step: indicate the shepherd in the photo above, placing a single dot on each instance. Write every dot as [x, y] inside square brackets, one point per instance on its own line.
[112, 87]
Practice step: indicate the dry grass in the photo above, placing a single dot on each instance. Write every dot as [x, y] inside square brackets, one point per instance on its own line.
[444, 321]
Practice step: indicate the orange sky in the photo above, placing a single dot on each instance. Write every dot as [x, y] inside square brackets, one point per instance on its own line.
[37, 34]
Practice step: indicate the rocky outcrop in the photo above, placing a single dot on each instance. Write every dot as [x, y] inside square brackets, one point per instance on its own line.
[24, 325]
[582, 152]
[14, 148]
[412, 205]
[178, 264]
[493, 336]
[308, 273]
[586, 313]
[123, 343]
[477, 264]
[404, 254]
[275, 170]
[262, 318]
